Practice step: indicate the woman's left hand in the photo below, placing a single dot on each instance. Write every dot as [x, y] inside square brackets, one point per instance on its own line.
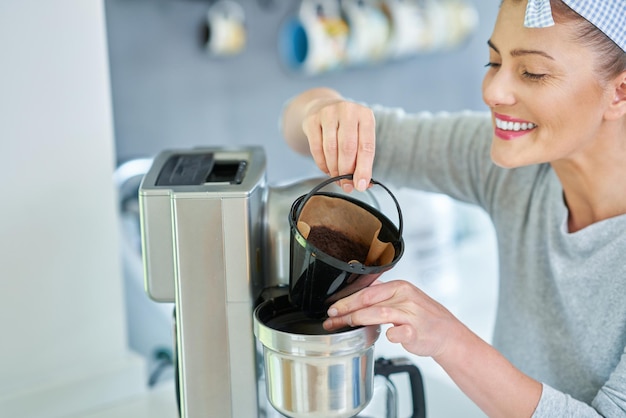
[422, 325]
[425, 328]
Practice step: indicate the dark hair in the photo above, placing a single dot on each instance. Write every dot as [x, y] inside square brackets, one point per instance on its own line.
[611, 58]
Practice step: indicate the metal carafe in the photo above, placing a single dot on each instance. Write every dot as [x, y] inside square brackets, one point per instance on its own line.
[313, 373]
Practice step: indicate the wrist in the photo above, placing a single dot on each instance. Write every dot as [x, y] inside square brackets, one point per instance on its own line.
[487, 377]
[458, 347]
[320, 97]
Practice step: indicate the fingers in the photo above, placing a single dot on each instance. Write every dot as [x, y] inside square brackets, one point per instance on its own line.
[313, 131]
[328, 125]
[347, 146]
[422, 325]
[365, 307]
[365, 153]
[374, 315]
[401, 334]
[342, 141]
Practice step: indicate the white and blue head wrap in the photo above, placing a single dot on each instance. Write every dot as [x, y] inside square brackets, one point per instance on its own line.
[607, 15]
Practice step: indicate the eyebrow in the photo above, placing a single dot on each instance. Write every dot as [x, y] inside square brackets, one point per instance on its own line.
[520, 52]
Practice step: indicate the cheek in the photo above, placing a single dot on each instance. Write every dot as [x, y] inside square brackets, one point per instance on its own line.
[583, 95]
[566, 107]
[580, 110]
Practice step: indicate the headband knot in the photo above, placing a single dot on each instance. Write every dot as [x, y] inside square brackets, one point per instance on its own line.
[609, 16]
[538, 14]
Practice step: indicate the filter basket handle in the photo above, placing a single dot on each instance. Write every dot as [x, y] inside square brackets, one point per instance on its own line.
[349, 177]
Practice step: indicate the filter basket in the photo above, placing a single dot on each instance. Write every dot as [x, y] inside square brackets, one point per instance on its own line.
[321, 270]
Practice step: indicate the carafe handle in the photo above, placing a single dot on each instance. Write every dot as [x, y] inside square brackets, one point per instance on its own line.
[386, 367]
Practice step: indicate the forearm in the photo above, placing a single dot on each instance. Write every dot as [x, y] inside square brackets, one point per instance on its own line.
[489, 379]
[297, 109]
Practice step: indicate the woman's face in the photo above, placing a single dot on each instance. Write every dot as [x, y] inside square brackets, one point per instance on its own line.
[545, 99]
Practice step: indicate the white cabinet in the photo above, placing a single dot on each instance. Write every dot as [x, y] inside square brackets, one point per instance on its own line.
[63, 330]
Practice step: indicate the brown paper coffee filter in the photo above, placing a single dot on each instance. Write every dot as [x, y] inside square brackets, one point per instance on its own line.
[353, 223]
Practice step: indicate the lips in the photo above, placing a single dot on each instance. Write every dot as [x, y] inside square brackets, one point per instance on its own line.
[507, 127]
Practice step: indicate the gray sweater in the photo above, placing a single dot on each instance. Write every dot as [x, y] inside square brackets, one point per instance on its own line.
[561, 315]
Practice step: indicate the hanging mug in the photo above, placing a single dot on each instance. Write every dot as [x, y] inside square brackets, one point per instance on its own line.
[408, 27]
[368, 30]
[446, 24]
[225, 32]
[315, 40]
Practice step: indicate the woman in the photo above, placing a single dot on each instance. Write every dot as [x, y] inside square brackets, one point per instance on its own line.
[548, 164]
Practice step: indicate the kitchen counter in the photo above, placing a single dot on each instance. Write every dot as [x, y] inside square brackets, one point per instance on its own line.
[159, 402]
[442, 401]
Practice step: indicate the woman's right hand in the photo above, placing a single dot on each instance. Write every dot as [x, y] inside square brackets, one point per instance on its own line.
[338, 133]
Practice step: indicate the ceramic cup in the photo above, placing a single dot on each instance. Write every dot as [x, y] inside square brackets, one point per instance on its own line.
[369, 30]
[408, 27]
[225, 28]
[314, 41]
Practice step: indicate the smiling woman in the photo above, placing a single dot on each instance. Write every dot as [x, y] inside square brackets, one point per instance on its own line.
[547, 164]
[534, 74]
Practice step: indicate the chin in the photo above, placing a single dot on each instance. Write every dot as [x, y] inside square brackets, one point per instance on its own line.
[503, 164]
[507, 158]
[500, 159]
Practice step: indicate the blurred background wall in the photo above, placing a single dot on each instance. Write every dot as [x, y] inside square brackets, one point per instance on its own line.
[169, 92]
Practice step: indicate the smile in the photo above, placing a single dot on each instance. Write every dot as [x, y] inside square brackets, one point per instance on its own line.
[508, 128]
[514, 126]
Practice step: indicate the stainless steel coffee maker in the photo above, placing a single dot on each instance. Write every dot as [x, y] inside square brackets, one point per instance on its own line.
[216, 242]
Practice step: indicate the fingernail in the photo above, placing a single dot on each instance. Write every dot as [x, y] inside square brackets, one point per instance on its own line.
[347, 187]
[362, 185]
[326, 324]
[332, 312]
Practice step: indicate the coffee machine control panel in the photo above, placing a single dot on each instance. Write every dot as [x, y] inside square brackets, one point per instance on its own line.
[200, 168]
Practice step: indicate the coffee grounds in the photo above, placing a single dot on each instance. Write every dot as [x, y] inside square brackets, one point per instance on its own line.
[337, 245]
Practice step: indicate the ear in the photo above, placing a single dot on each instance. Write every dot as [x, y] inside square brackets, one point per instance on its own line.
[617, 107]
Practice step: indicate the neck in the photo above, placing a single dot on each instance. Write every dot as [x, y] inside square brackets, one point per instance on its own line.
[593, 184]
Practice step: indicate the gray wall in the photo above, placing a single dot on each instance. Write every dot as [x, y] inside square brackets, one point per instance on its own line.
[168, 92]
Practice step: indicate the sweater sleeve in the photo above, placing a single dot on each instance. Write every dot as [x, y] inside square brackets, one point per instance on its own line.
[444, 152]
[555, 404]
[609, 402]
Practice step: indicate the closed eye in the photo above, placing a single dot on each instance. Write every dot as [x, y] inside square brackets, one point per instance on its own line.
[533, 76]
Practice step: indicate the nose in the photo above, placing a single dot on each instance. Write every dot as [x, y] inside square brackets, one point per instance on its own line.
[498, 89]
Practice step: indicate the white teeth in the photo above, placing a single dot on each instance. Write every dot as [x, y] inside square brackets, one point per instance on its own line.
[514, 126]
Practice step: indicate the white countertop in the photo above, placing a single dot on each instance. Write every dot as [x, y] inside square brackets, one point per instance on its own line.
[442, 401]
